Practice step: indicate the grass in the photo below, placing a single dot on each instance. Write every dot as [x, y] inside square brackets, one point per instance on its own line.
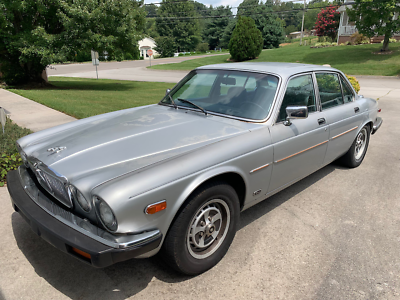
[354, 60]
[81, 98]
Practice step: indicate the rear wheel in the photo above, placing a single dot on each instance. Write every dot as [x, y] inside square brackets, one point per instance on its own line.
[354, 157]
[203, 230]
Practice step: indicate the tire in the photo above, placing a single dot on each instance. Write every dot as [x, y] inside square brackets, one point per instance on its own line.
[194, 243]
[354, 157]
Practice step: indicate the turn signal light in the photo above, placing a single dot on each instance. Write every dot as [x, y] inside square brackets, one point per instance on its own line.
[156, 207]
[80, 252]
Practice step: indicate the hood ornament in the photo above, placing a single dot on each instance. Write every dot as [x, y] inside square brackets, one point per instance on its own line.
[56, 149]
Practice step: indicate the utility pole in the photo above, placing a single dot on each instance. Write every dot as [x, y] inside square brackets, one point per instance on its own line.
[302, 24]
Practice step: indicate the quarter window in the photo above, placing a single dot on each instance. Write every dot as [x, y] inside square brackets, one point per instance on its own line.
[330, 92]
[299, 92]
[347, 93]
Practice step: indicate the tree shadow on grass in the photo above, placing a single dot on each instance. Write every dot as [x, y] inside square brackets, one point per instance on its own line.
[123, 280]
[83, 85]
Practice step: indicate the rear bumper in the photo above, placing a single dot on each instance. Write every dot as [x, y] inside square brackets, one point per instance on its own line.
[376, 125]
[55, 231]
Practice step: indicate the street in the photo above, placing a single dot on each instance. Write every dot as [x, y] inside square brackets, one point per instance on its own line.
[333, 235]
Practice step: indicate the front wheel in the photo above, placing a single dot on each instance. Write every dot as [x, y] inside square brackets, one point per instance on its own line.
[203, 230]
[354, 157]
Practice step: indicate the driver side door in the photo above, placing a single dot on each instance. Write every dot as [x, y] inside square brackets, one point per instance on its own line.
[299, 149]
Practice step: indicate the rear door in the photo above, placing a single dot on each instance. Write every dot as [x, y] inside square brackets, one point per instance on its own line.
[342, 113]
[299, 149]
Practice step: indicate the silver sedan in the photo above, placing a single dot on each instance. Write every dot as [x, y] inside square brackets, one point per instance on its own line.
[173, 177]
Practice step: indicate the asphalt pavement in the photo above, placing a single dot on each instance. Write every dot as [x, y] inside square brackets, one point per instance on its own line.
[125, 70]
[333, 235]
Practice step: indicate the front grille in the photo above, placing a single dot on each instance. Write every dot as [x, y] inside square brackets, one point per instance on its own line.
[57, 189]
[52, 184]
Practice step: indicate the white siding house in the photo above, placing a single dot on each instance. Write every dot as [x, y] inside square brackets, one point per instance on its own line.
[146, 44]
[347, 28]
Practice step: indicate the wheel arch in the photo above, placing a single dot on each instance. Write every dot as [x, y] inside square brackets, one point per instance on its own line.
[231, 176]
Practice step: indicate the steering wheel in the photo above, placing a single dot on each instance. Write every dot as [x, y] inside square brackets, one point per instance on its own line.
[255, 104]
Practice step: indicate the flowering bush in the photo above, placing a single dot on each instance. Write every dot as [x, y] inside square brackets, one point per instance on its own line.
[327, 22]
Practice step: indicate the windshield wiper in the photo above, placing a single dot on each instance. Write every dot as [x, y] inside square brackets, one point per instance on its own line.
[190, 102]
[173, 102]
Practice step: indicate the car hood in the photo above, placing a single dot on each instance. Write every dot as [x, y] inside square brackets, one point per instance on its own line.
[116, 144]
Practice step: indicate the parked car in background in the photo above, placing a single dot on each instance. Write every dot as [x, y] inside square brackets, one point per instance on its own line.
[174, 176]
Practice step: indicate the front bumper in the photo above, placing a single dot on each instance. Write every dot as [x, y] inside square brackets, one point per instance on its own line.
[68, 232]
[377, 125]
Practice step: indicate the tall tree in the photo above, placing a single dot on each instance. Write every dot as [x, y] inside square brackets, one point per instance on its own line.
[179, 21]
[36, 33]
[265, 20]
[376, 18]
[214, 30]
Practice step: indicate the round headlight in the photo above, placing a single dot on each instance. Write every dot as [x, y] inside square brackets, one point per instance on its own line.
[107, 216]
[78, 196]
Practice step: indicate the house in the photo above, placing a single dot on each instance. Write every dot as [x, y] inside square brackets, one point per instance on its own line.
[347, 28]
[147, 44]
[297, 34]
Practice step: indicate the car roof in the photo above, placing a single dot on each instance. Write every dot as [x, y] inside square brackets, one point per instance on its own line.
[283, 69]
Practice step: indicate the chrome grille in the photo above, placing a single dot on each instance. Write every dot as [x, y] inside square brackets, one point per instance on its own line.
[51, 183]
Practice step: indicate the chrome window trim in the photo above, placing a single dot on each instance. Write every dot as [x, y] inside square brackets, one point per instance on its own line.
[282, 95]
[351, 90]
[278, 88]
[339, 75]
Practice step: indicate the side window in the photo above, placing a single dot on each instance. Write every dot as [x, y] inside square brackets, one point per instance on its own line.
[299, 92]
[347, 92]
[329, 90]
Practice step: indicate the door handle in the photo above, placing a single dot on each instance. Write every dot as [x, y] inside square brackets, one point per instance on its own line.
[321, 121]
[356, 109]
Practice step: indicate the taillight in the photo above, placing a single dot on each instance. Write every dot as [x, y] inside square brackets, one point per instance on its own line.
[379, 110]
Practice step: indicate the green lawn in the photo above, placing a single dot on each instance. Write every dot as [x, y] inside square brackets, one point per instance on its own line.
[81, 98]
[354, 60]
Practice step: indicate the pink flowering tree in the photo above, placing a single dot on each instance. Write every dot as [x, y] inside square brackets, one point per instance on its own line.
[328, 22]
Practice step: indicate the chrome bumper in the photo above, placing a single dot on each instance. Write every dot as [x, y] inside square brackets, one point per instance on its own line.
[376, 125]
[81, 225]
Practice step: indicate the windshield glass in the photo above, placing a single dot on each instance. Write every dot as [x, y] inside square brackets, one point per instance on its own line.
[234, 93]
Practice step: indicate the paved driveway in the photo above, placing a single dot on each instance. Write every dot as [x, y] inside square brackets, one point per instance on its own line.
[333, 235]
[126, 70]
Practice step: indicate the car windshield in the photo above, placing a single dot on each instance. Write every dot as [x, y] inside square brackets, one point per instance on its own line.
[234, 93]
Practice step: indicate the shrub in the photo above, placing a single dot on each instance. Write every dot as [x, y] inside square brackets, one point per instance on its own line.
[202, 47]
[128, 56]
[391, 41]
[354, 82]
[358, 39]
[10, 159]
[246, 41]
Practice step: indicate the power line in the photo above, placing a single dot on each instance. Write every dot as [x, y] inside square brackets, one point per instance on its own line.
[224, 16]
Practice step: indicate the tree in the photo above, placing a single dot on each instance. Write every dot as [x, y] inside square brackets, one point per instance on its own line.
[328, 22]
[376, 18]
[165, 46]
[246, 42]
[177, 20]
[265, 20]
[227, 34]
[214, 30]
[36, 33]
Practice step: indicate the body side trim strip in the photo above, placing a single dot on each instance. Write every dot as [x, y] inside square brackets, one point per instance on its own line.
[259, 168]
[282, 159]
[336, 136]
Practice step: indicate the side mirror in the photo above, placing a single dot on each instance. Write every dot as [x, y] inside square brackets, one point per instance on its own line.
[167, 92]
[295, 112]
